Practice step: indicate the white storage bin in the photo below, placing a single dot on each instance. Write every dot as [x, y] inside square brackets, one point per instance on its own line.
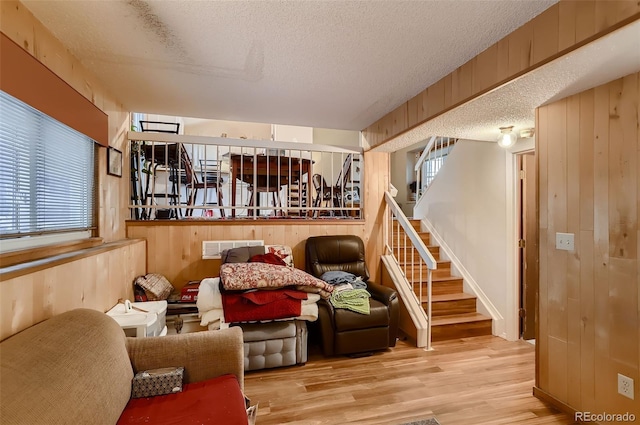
[137, 323]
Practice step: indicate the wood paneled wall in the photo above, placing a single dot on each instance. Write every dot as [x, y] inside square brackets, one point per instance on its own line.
[99, 280]
[589, 301]
[23, 28]
[174, 249]
[560, 29]
[95, 281]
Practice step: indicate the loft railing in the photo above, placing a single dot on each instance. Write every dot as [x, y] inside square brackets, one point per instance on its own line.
[430, 162]
[184, 177]
[412, 256]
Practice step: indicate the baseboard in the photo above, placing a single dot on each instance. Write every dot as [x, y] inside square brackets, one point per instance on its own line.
[484, 306]
[548, 398]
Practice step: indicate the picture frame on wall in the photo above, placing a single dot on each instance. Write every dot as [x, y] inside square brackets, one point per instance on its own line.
[114, 162]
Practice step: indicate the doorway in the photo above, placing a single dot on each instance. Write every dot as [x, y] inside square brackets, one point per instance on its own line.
[528, 244]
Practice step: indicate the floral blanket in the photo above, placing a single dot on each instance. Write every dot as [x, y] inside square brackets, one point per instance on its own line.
[243, 276]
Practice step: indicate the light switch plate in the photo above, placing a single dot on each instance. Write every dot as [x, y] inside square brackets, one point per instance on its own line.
[565, 241]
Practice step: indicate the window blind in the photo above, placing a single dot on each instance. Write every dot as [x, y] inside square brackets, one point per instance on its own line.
[47, 173]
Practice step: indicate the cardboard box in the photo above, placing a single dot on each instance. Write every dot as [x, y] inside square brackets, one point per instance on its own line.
[154, 382]
[189, 292]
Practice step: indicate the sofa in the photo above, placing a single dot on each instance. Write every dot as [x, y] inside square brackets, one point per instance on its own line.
[77, 368]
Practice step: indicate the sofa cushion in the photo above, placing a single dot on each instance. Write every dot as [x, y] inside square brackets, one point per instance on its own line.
[241, 254]
[49, 371]
[214, 401]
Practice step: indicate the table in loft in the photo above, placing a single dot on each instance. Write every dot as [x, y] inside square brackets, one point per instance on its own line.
[271, 174]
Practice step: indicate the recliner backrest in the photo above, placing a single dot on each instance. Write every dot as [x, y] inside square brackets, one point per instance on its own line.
[339, 252]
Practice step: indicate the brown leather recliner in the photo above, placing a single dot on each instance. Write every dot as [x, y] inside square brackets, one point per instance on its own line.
[344, 331]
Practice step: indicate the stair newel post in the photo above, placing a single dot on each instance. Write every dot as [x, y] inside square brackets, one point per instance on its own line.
[429, 291]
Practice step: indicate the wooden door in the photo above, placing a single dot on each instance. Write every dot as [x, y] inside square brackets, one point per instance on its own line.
[529, 250]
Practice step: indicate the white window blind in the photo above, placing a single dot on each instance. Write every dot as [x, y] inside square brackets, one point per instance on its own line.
[47, 173]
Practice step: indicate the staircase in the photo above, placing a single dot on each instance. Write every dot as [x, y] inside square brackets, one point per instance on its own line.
[454, 311]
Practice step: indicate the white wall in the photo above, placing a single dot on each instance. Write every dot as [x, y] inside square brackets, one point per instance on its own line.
[330, 165]
[402, 174]
[467, 206]
[233, 129]
[292, 133]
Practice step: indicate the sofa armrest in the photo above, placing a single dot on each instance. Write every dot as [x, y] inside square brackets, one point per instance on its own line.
[204, 355]
[381, 293]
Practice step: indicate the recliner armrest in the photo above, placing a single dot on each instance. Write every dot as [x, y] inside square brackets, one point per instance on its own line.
[204, 355]
[381, 293]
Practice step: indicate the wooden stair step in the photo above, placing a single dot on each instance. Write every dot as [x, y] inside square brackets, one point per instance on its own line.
[415, 222]
[442, 284]
[440, 279]
[460, 326]
[406, 261]
[454, 303]
[413, 274]
[419, 265]
[402, 232]
[433, 249]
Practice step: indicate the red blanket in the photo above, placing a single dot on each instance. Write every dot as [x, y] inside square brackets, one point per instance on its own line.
[262, 305]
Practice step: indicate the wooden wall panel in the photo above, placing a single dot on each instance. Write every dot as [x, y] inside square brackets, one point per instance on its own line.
[521, 48]
[560, 29]
[546, 34]
[623, 169]
[585, 19]
[435, 96]
[589, 301]
[95, 282]
[415, 110]
[485, 70]
[566, 24]
[557, 220]
[175, 251]
[23, 28]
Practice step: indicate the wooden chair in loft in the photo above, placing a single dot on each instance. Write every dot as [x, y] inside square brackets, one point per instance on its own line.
[158, 156]
[349, 187]
[334, 197]
[326, 196]
[263, 184]
[175, 157]
[298, 203]
[210, 179]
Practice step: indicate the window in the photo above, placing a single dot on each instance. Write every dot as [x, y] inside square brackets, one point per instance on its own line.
[47, 174]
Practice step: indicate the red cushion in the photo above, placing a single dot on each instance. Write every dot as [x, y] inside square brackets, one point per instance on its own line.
[215, 401]
[269, 258]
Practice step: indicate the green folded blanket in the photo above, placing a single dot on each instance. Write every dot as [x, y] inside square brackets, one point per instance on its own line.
[352, 299]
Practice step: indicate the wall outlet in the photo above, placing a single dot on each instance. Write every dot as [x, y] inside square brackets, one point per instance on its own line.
[565, 242]
[625, 386]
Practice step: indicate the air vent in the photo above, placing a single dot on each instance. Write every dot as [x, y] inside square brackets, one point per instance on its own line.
[213, 249]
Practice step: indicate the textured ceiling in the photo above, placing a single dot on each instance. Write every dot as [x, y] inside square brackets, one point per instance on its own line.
[332, 64]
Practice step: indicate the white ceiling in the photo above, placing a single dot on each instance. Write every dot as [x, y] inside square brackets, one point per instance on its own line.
[331, 64]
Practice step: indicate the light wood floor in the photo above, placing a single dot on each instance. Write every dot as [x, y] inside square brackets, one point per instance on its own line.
[481, 380]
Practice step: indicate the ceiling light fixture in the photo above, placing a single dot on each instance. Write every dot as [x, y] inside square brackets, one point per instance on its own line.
[527, 133]
[507, 137]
